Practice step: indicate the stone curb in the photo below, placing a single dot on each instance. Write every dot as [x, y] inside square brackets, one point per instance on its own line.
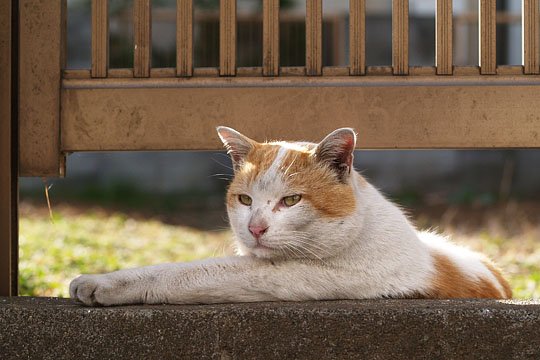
[49, 328]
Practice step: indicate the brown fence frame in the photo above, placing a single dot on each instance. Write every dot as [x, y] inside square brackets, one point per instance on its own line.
[8, 150]
[57, 111]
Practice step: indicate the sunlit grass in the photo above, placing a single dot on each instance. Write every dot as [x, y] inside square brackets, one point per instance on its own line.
[53, 253]
[93, 241]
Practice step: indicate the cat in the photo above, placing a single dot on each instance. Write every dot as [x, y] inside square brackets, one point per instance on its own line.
[307, 227]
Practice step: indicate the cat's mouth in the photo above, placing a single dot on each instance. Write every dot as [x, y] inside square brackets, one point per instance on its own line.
[259, 245]
[261, 250]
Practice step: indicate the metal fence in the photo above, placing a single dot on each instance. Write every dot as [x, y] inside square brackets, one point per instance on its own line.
[58, 111]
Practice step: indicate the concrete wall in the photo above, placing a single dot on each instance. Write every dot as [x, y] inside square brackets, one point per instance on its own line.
[366, 329]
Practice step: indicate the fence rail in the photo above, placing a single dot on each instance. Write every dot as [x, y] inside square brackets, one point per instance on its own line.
[314, 65]
[146, 108]
[48, 90]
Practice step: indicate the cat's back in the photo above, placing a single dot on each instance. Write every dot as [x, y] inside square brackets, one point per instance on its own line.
[461, 273]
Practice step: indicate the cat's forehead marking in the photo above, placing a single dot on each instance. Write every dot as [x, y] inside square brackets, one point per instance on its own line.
[268, 163]
[257, 161]
[268, 177]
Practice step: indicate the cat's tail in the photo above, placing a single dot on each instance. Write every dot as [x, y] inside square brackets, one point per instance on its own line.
[462, 273]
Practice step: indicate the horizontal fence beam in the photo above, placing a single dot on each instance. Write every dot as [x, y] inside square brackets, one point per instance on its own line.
[329, 73]
[467, 113]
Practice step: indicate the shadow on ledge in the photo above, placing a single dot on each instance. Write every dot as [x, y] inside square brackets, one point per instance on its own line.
[366, 329]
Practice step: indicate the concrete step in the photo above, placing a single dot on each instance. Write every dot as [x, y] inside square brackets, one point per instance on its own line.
[49, 328]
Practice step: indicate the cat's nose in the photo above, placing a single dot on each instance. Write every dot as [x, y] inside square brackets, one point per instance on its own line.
[257, 230]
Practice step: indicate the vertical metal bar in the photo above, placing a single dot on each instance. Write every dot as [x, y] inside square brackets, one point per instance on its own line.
[100, 38]
[8, 148]
[41, 60]
[488, 45]
[184, 37]
[227, 38]
[142, 28]
[531, 36]
[357, 37]
[443, 35]
[400, 37]
[270, 37]
[313, 37]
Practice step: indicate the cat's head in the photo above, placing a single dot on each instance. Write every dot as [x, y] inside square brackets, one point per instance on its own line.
[291, 199]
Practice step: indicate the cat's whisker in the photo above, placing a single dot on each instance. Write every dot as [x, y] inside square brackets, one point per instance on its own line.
[314, 247]
[295, 252]
[220, 163]
[292, 162]
[311, 252]
[293, 174]
[229, 175]
[302, 249]
[307, 241]
[299, 254]
[282, 252]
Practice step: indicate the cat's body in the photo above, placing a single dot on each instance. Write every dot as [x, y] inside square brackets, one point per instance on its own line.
[307, 227]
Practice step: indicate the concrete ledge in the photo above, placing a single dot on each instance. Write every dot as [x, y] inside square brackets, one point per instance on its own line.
[460, 329]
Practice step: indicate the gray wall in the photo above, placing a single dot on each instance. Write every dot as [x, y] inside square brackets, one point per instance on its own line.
[445, 172]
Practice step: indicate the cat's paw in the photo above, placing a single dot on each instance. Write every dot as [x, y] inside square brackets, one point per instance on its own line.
[93, 290]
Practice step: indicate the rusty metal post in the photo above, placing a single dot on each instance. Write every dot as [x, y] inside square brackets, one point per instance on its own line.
[8, 149]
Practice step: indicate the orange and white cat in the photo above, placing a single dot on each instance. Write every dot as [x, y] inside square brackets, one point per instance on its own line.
[307, 227]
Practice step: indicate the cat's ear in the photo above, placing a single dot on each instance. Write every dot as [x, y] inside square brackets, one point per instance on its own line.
[336, 150]
[237, 145]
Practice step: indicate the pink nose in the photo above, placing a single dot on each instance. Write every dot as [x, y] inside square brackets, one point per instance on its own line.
[257, 230]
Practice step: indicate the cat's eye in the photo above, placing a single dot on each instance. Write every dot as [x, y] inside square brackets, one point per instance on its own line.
[291, 200]
[245, 199]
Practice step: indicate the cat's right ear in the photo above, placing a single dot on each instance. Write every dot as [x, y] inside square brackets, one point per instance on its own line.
[237, 145]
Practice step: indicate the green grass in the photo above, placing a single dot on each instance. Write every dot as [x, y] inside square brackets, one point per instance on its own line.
[79, 240]
[54, 252]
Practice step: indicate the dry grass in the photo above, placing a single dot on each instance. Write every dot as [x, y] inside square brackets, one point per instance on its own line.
[89, 240]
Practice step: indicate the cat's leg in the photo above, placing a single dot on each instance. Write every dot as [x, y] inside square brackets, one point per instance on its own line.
[231, 279]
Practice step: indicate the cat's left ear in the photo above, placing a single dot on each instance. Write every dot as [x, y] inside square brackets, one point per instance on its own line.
[336, 150]
[237, 145]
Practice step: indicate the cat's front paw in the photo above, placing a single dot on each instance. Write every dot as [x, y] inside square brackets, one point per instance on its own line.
[94, 290]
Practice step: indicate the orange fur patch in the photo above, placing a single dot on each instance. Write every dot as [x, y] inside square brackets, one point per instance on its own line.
[257, 161]
[318, 184]
[302, 173]
[450, 282]
[498, 275]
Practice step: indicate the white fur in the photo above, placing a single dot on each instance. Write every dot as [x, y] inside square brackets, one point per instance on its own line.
[374, 252]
